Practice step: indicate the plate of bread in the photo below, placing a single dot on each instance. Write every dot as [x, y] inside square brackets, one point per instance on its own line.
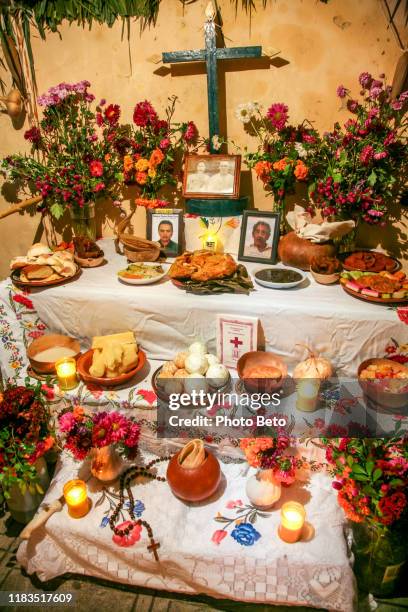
[113, 360]
[42, 267]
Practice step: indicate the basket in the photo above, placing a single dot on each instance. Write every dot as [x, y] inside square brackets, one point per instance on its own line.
[134, 248]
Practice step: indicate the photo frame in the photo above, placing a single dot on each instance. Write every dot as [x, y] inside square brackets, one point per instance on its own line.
[211, 176]
[259, 236]
[165, 226]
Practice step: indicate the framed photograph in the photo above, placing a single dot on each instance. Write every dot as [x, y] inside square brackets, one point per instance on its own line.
[259, 236]
[165, 226]
[211, 176]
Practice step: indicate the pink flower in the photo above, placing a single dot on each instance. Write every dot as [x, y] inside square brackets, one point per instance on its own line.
[278, 115]
[112, 114]
[380, 155]
[337, 484]
[128, 539]
[48, 391]
[164, 144]
[96, 168]
[148, 395]
[341, 91]
[132, 437]
[365, 79]
[191, 132]
[395, 105]
[66, 421]
[352, 106]
[118, 425]
[218, 536]
[99, 187]
[144, 114]
[234, 504]
[36, 334]
[366, 154]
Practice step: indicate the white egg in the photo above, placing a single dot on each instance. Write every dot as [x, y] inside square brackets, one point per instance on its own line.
[195, 382]
[196, 362]
[217, 375]
[212, 359]
[197, 347]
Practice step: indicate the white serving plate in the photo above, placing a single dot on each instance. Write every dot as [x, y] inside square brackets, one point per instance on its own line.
[274, 285]
[146, 281]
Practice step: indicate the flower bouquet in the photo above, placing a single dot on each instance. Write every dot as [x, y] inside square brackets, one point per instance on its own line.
[106, 436]
[268, 454]
[73, 159]
[282, 157]
[362, 163]
[25, 436]
[152, 149]
[371, 477]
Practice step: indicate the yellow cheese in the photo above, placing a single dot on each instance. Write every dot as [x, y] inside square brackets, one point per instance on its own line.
[123, 338]
[98, 365]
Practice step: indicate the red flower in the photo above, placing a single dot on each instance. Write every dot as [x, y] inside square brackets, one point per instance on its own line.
[144, 114]
[96, 168]
[21, 299]
[402, 313]
[33, 135]
[48, 391]
[99, 187]
[218, 536]
[191, 132]
[112, 113]
[36, 334]
[366, 154]
[99, 119]
[128, 539]
[236, 503]
[148, 395]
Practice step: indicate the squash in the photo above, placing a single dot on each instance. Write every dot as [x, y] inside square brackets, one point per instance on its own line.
[313, 367]
[299, 252]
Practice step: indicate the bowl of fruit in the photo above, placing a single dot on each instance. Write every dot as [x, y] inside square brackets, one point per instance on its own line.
[384, 382]
[382, 287]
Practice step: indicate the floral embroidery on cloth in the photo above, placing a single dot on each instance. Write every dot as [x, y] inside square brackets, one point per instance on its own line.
[243, 530]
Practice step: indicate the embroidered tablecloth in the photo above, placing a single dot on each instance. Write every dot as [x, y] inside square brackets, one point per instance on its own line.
[315, 573]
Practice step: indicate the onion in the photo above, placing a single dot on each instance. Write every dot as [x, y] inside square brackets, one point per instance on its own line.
[196, 363]
[313, 367]
[217, 375]
[212, 359]
[197, 347]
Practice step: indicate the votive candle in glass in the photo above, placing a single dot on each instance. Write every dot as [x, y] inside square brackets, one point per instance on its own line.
[211, 242]
[292, 520]
[76, 497]
[307, 394]
[66, 373]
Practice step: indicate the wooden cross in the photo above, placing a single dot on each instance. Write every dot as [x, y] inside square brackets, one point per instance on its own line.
[153, 548]
[211, 54]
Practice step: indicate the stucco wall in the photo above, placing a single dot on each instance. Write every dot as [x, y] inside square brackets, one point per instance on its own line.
[320, 46]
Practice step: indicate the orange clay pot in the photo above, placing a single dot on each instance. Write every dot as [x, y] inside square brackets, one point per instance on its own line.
[197, 483]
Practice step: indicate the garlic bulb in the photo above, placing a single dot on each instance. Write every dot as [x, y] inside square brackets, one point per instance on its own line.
[212, 359]
[195, 382]
[197, 347]
[196, 363]
[217, 374]
[313, 367]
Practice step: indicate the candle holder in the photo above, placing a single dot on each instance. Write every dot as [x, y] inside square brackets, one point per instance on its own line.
[307, 395]
[292, 521]
[66, 373]
[76, 497]
[210, 242]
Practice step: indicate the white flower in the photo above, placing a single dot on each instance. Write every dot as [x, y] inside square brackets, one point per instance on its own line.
[216, 144]
[244, 112]
[301, 151]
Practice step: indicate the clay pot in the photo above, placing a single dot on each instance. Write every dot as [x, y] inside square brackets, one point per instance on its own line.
[194, 484]
[107, 464]
[13, 103]
[262, 490]
[299, 252]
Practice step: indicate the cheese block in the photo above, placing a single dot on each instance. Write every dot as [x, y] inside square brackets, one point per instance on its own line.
[122, 338]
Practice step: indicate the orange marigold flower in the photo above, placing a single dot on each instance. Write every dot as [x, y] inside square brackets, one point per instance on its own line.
[301, 170]
[108, 156]
[156, 158]
[152, 172]
[142, 165]
[141, 178]
[263, 169]
[147, 203]
[281, 164]
[127, 163]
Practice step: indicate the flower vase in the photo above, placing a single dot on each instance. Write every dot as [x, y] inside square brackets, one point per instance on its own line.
[347, 243]
[83, 221]
[23, 506]
[379, 557]
[106, 463]
[262, 489]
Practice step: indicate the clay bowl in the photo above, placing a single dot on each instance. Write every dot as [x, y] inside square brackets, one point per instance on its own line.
[89, 262]
[50, 341]
[325, 279]
[85, 362]
[391, 400]
[256, 359]
[194, 484]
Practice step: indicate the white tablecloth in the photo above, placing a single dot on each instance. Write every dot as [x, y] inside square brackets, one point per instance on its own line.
[166, 319]
[316, 573]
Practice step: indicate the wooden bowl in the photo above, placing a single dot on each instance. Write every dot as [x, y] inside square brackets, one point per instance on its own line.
[261, 358]
[325, 279]
[49, 341]
[85, 362]
[386, 399]
[194, 484]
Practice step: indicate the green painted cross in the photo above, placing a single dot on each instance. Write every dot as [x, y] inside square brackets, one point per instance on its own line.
[211, 54]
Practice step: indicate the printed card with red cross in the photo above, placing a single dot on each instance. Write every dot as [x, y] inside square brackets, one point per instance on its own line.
[236, 335]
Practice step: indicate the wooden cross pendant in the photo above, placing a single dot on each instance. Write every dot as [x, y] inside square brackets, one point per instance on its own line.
[153, 548]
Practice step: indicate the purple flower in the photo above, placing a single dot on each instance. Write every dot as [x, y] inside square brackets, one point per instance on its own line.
[365, 79]
[395, 105]
[375, 92]
[352, 106]
[102, 102]
[342, 91]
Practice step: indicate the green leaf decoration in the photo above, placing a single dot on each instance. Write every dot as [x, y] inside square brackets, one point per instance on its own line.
[56, 210]
[372, 178]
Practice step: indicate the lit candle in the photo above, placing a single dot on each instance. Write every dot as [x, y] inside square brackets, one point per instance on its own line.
[66, 373]
[76, 497]
[292, 520]
[211, 242]
[307, 394]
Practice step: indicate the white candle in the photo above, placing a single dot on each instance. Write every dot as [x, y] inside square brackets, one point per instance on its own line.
[307, 394]
[66, 373]
[292, 520]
